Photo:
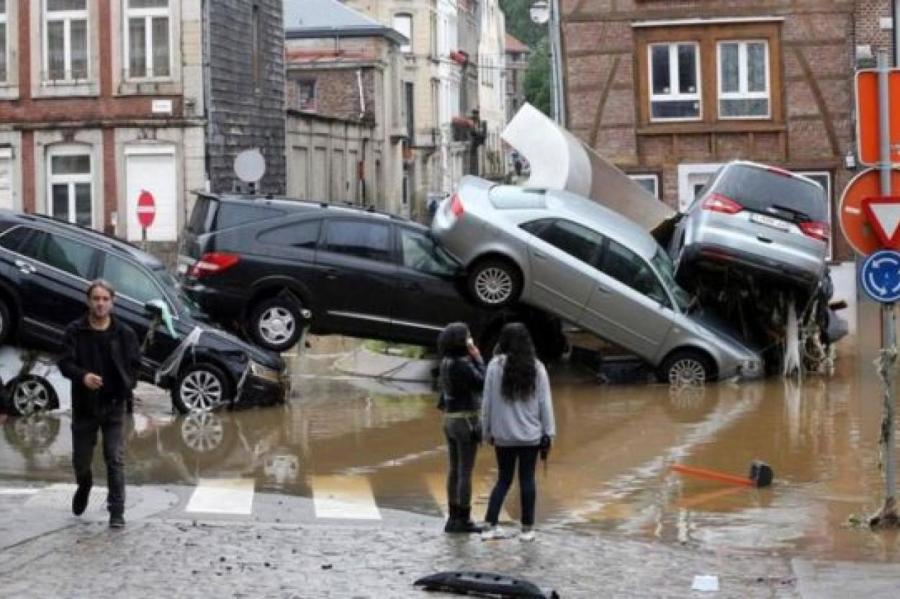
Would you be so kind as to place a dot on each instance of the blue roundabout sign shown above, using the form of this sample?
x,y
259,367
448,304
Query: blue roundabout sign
x,y
880,276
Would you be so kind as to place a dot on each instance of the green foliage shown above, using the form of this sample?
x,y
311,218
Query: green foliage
x,y
519,24
537,78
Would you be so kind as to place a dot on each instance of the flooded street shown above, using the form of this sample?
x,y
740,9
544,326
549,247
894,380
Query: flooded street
x,y
608,473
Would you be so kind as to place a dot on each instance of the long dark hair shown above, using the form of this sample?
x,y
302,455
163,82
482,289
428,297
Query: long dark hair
x,y
520,370
451,341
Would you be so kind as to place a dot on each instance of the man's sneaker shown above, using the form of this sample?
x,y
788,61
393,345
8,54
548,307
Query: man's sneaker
x,y
527,534
80,500
116,521
489,532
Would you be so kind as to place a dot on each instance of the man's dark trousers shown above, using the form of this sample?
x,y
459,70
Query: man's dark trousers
x,y
111,423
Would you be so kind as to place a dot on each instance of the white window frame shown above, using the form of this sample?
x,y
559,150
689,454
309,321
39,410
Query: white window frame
x,y
399,19
66,16
685,189
828,191
148,14
4,24
70,179
674,80
743,80
647,177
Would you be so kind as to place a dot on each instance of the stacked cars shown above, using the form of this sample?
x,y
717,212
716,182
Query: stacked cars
x,y
591,266
258,265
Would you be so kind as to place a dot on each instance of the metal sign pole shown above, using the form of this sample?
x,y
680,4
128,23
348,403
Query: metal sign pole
x,y
888,355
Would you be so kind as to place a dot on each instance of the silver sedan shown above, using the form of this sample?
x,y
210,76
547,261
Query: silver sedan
x,y
591,266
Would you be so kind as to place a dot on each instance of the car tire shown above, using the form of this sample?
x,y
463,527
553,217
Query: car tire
x,y
276,324
6,322
687,367
494,282
30,394
202,387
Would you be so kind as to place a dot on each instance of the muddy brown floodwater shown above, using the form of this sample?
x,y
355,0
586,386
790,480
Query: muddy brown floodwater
x,y
608,473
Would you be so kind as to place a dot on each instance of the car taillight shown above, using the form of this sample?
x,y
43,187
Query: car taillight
x,y
212,263
716,202
456,206
815,229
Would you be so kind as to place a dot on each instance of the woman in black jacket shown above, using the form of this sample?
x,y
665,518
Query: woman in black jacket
x,y
461,382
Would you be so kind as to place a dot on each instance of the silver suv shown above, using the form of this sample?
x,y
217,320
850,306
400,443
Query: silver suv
x,y
591,266
763,221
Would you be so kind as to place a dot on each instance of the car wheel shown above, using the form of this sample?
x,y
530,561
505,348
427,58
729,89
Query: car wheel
x,y
201,387
5,321
29,394
495,283
276,324
687,367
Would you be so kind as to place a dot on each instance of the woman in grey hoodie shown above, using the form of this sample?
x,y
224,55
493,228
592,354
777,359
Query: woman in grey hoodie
x,y
517,419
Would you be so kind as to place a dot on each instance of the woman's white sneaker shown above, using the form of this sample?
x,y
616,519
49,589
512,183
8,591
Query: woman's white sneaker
x,y
527,535
489,532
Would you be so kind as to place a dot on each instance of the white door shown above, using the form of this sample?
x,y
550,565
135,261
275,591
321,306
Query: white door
x,y
6,193
152,170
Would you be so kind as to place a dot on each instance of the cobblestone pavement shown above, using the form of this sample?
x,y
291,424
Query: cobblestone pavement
x,y
169,554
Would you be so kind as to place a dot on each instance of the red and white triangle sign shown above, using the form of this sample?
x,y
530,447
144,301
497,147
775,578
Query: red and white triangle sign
x,y
883,214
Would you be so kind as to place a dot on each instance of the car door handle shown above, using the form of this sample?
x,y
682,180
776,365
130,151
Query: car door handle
x,y
25,267
602,289
332,273
764,239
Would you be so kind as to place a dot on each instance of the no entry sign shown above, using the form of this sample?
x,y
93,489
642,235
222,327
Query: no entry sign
x,y
146,209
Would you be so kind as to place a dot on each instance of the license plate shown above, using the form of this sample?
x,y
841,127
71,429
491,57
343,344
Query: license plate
x,y
775,223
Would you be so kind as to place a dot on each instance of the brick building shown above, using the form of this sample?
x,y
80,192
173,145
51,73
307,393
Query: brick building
x,y
100,101
517,57
670,90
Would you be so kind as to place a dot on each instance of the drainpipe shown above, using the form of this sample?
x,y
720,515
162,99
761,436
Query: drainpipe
x,y
362,97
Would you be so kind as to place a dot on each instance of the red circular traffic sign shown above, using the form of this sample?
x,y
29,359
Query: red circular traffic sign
x,y
146,209
855,224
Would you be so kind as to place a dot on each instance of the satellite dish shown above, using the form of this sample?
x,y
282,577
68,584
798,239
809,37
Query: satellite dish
x,y
250,166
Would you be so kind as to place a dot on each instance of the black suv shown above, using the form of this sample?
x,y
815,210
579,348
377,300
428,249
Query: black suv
x,y
256,264
45,268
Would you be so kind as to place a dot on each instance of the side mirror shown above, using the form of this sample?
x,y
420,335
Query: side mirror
x,y
159,311
153,309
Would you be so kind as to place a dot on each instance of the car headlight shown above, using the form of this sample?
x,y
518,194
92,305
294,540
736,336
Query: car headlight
x,y
264,372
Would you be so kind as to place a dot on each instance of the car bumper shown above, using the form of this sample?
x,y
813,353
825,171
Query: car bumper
x,y
257,391
220,305
715,255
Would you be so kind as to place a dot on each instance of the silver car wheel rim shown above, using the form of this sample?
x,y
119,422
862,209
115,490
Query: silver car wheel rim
x,y
202,431
31,396
687,371
201,390
493,285
276,325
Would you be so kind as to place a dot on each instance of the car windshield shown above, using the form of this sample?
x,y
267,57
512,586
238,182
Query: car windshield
x,y
663,265
185,303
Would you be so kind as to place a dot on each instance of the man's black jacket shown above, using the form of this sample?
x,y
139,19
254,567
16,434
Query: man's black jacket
x,y
126,359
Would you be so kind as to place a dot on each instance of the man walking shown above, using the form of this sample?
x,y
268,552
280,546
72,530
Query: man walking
x,y
101,357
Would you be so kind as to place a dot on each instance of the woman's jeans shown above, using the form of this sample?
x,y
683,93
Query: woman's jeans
x,y
506,465
462,446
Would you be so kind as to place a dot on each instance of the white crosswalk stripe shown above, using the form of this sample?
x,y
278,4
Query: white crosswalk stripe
x,y
344,497
222,496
